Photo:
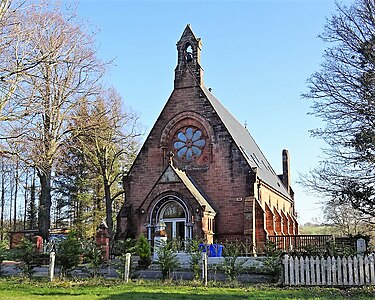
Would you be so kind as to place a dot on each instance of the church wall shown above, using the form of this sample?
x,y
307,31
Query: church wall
x,y
223,177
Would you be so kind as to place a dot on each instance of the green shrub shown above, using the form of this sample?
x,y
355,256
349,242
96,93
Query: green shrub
x,y
273,264
123,247
167,260
93,255
143,250
195,257
230,266
3,255
68,253
29,256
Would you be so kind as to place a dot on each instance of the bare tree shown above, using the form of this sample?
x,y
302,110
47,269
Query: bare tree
x,y
110,144
68,73
343,95
346,220
18,55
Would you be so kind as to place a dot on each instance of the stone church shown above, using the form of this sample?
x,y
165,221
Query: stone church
x,y
200,172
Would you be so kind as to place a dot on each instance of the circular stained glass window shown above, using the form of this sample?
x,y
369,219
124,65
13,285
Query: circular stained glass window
x,y
189,143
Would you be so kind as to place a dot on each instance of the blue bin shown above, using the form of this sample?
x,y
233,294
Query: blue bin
x,y
213,250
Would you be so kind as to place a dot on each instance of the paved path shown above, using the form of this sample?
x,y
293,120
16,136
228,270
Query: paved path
x,y
10,268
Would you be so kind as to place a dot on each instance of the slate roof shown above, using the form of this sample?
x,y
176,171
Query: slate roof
x,y
245,142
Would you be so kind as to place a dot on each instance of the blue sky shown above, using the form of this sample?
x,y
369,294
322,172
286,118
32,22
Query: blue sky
x,y
256,56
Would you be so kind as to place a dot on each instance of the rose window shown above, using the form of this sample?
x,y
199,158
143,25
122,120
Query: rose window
x,y
189,143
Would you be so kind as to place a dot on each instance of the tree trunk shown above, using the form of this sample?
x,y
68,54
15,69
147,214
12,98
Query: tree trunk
x,y
44,220
32,208
15,196
25,199
108,206
2,198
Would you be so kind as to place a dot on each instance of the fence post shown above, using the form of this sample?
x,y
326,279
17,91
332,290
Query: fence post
x,y
307,269
204,267
51,270
291,270
334,271
312,270
361,270
323,268
367,270
286,265
317,261
372,268
344,271
339,270
329,271
350,270
355,270
127,267
302,269
296,271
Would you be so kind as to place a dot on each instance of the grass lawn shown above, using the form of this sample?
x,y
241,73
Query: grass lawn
x,y
16,288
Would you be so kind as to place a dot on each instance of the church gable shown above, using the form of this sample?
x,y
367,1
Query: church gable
x,y
199,170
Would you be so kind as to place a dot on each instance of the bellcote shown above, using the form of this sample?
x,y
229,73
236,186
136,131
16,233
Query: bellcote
x,y
188,71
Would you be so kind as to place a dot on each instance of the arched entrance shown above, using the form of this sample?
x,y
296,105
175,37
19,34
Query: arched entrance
x,y
174,213
174,217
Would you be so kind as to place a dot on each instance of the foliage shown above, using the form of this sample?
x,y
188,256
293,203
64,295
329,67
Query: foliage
x,y
167,260
143,250
273,264
230,265
3,254
107,137
68,253
121,248
343,94
29,256
93,255
195,257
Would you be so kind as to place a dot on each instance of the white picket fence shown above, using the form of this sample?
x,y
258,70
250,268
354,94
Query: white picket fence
x,y
330,271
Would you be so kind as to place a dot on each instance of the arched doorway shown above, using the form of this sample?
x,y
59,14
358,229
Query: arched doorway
x,y
174,213
174,217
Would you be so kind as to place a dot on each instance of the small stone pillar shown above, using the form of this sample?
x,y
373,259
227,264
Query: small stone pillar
x,y
102,240
361,246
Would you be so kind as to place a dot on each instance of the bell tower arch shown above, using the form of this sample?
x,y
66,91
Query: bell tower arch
x,y
188,71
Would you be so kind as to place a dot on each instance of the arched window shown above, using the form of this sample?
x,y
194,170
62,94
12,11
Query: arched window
x,y
173,210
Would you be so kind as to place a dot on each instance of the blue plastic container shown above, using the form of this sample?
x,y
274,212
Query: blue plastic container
x,y
213,250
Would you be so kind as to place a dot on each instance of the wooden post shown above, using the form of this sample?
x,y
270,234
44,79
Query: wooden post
x,y
51,270
344,271
291,269
127,267
302,269
329,270
307,268
317,261
296,271
355,270
350,271
339,270
372,268
334,271
361,270
312,270
367,270
286,268
204,267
